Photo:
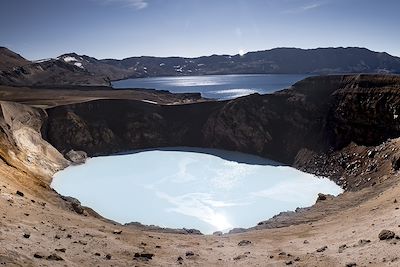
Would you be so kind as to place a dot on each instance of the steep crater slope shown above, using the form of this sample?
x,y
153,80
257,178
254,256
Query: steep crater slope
x,y
320,114
328,125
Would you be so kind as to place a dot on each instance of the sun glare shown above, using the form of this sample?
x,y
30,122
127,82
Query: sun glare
x,y
221,222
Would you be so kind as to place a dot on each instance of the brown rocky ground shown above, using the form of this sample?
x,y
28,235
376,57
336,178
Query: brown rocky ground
x,y
39,228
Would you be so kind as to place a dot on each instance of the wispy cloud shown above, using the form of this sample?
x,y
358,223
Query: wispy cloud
x,y
136,4
304,8
312,6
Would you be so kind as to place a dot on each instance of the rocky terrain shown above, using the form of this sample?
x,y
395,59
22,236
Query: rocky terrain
x,y
17,71
342,127
81,70
9,59
274,61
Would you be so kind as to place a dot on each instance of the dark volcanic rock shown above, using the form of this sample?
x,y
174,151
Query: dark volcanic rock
x,y
143,256
54,257
189,253
322,249
38,255
321,197
75,204
192,231
244,243
386,234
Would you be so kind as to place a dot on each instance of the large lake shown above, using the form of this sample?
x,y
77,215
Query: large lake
x,y
216,86
210,190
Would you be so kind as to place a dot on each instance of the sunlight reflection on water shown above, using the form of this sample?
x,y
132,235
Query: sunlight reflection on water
x,y
216,86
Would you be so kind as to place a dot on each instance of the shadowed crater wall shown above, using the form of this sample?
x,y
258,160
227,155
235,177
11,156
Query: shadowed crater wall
x,y
319,114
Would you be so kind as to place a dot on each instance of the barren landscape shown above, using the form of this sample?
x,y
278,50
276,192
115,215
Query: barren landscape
x,y
199,133
350,136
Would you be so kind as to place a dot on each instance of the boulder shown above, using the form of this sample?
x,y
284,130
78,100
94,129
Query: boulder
x,y
143,256
75,204
321,197
244,243
386,234
54,257
322,249
76,157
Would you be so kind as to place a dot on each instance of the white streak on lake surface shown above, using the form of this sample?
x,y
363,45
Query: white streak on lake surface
x,y
216,86
206,189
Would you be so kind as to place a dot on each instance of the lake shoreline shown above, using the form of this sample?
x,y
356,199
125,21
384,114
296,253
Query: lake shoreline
x,y
197,204
220,87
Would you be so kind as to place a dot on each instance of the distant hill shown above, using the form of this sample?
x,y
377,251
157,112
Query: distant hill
x,y
9,59
17,71
274,61
84,70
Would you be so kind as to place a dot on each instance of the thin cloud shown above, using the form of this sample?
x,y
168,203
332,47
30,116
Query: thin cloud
x,y
312,6
304,8
136,4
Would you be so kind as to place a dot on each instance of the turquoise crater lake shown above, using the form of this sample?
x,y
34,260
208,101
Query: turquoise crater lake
x,y
219,87
207,189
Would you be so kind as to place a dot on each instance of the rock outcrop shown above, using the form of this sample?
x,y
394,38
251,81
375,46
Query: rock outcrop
x,y
318,114
21,142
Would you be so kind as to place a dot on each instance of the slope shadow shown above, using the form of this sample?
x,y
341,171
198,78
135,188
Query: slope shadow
x,y
234,156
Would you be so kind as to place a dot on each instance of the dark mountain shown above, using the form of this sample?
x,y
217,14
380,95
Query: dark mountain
x,y
274,61
95,66
20,72
9,59
73,69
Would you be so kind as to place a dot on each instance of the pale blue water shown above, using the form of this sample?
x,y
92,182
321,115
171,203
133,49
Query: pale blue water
x,y
216,86
209,190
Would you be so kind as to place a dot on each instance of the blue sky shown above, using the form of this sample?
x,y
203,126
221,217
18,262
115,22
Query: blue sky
x,y
121,28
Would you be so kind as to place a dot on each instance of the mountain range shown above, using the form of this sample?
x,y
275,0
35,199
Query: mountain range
x,y
74,69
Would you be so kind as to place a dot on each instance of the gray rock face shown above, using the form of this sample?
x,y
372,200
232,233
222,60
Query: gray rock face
x,y
75,204
76,157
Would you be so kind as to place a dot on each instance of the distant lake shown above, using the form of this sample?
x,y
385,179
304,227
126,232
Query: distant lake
x,y
207,189
216,86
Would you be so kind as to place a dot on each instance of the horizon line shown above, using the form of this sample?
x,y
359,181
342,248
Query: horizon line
x,y
209,55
